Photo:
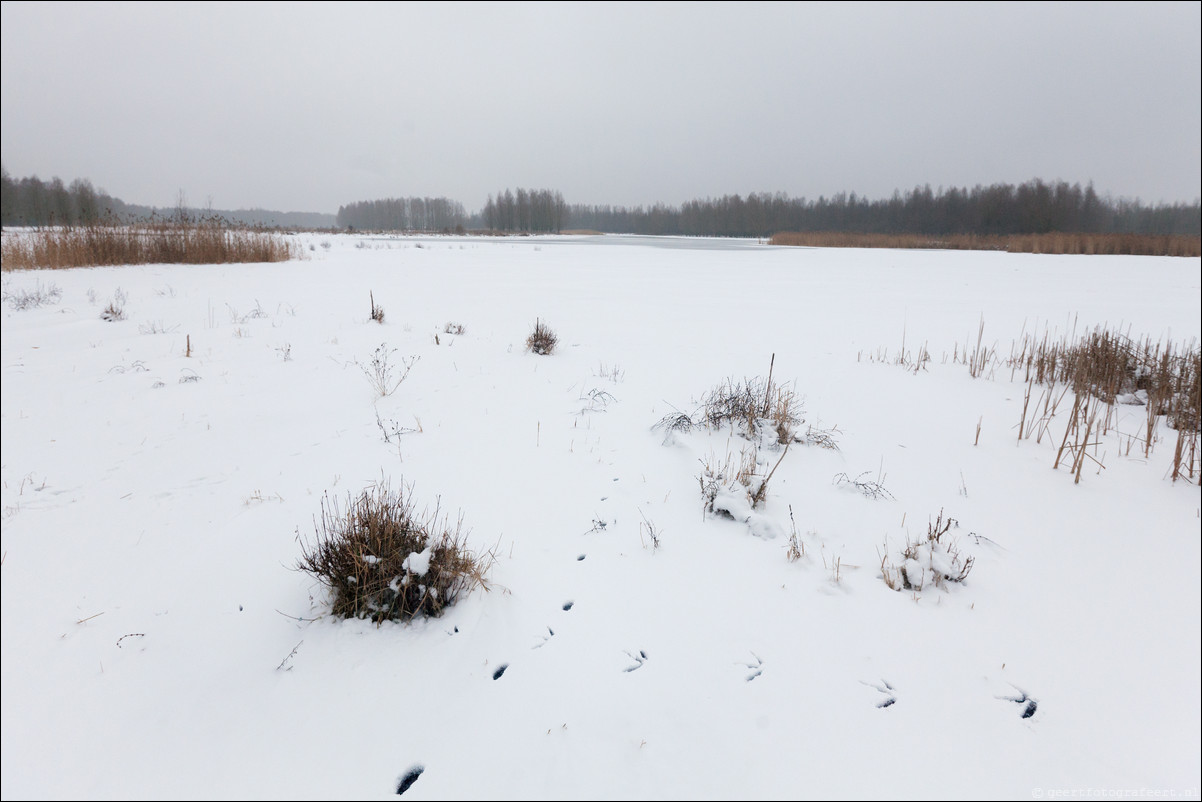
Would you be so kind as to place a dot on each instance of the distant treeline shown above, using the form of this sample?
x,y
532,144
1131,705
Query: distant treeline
x,y
527,210
999,209
523,210
404,214
33,202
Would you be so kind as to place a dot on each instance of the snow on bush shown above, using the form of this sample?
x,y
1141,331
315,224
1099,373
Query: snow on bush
x,y
930,561
381,560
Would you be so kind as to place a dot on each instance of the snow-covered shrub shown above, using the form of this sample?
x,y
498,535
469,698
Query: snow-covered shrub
x,y
382,560
929,561
32,299
753,407
542,340
726,486
116,309
733,490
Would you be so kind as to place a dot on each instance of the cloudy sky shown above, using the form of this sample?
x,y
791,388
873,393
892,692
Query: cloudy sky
x,y
307,106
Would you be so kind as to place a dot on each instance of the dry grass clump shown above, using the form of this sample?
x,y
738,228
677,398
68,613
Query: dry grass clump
x,y
768,416
864,484
1103,369
382,561
732,489
20,299
930,561
115,311
1054,242
1107,368
542,340
155,242
383,374
1114,367
753,407
726,484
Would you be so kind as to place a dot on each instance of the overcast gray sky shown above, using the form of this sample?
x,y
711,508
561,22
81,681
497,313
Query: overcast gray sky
x,y
307,106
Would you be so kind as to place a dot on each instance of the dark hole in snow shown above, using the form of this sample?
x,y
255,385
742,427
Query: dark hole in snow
x,y
500,671
642,654
1029,710
581,557
409,779
568,605
886,703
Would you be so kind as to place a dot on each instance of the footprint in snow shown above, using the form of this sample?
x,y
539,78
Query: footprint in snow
x,y
568,605
638,659
545,638
1029,705
885,688
500,672
757,667
408,779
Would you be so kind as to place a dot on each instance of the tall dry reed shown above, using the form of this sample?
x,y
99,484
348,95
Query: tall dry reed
x,y
154,242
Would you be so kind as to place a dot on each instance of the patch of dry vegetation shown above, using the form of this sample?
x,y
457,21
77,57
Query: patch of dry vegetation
x,y
931,561
382,560
156,242
542,339
1106,368
1055,242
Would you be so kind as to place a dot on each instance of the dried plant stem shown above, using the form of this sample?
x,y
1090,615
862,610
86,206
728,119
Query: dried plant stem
x,y
1069,429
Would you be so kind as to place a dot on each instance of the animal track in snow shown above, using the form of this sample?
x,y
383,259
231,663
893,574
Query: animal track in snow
x,y
887,689
1029,705
496,675
568,605
638,659
757,667
409,779
545,638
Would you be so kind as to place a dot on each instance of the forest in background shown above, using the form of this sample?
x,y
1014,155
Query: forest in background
x,y
998,210
1035,207
31,201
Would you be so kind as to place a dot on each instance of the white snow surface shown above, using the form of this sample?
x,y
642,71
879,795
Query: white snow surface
x,y
158,641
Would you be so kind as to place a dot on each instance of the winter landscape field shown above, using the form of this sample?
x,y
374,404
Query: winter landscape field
x,y
651,626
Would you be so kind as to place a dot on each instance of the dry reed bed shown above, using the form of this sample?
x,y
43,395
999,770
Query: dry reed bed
x,y
1104,369
1094,374
1052,243
149,243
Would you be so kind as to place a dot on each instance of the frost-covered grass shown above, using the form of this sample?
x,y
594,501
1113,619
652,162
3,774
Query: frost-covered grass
x,y
162,474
